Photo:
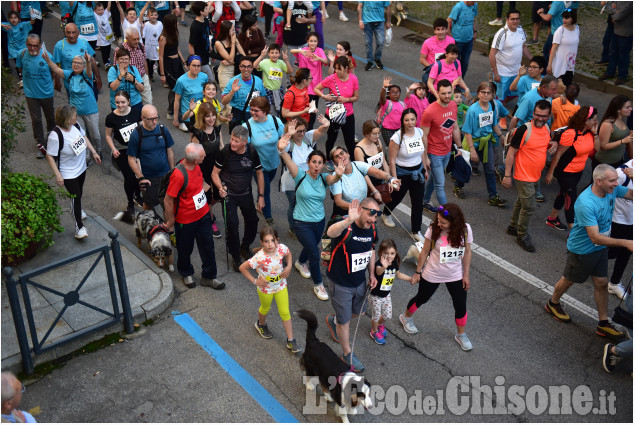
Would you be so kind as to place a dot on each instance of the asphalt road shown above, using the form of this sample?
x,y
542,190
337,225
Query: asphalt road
x,y
520,356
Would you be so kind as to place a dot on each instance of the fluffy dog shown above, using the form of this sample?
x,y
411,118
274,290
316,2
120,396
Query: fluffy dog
x,y
400,11
413,252
349,390
150,228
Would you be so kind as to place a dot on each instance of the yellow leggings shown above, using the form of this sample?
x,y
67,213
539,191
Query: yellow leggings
x,y
282,301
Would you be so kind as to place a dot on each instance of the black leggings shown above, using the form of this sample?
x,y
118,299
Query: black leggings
x,y
568,193
76,187
621,255
348,130
268,11
130,184
427,289
416,189
105,53
150,67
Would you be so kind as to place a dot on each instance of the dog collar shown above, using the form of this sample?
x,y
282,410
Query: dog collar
x,y
155,229
341,375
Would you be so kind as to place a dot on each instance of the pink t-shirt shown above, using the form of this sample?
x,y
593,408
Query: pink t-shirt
x,y
441,123
433,48
346,88
315,66
419,105
449,72
392,121
445,262
269,268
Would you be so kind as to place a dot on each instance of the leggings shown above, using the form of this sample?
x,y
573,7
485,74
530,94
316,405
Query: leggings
x,y
416,189
268,11
150,67
76,187
105,53
568,193
621,255
348,130
130,184
282,301
458,294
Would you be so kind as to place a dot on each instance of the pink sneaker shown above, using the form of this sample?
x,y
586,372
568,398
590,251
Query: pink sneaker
x,y
382,330
215,232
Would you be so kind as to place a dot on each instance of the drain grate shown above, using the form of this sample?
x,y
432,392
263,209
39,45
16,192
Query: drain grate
x,y
415,38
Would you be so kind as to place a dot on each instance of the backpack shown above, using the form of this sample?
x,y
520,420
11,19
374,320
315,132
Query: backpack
x,y
275,122
165,182
380,117
327,252
139,129
69,18
427,69
60,138
510,135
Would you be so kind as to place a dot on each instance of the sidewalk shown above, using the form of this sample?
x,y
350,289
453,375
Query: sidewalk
x,y
150,290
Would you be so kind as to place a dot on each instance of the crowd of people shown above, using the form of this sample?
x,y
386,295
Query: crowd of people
x,y
268,94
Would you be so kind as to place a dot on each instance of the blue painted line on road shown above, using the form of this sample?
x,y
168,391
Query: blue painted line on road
x,y
272,406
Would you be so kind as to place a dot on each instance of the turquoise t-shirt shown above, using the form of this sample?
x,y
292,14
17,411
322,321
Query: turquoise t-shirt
x,y
353,186
127,86
309,197
265,138
557,7
240,97
64,52
374,11
86,22
591,210
161,5
17,37
36,75
463,16
80,93
26,6
526,84
525,111
477,122
190,89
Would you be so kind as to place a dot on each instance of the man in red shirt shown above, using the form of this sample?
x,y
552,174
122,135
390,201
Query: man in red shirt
x,y
186,210
440,126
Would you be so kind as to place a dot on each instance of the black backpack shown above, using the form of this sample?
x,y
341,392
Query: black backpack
x,y
60,138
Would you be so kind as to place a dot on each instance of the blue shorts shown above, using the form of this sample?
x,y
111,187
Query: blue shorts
x,y
502,88
346,301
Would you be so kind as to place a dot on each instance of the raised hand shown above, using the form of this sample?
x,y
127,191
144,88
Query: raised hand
x,y
384,261
236,85
192,104
339,169
323,121
387,81
284,141
354,210
291,126
522,71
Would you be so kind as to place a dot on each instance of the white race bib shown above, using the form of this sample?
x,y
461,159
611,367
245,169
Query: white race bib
x,y
485,119
449,254
110,37
388,280
607,234
275,74
414,146
336,109
376,160
87,28
127,131
35,14
360,261
79,145
534,85
200,200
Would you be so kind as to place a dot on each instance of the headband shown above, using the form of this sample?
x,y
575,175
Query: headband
x,y
193,57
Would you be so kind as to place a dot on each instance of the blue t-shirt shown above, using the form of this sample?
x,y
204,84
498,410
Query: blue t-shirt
x,y
162,5
374,11
479,123
525,111
462,17
65,7
309,197
557,7
64,52
26,6
85,21
591,210
240,97
36,75
353,186
17,37
127,86
189,89
526,84
80,93
153,156
265,138
501,112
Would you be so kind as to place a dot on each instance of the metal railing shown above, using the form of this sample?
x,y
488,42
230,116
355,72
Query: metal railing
x,y
69,298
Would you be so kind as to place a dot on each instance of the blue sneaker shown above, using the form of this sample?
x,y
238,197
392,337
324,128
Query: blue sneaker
x,y
429,207
377,337
330,324
350,359
382,329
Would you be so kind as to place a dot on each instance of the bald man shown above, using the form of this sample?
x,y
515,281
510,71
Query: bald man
x,y
12,390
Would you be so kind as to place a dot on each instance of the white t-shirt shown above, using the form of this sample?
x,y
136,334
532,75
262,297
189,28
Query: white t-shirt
x,y
564,59
510,50
410,148
623,210
445,262
151,35
125,25
71,165
299,156
105,35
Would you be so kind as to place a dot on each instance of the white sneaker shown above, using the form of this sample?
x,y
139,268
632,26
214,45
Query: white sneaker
x,y
408,324
497,21
418,236
183,127
303,269
617,289
84,215
388,222
326,14
320,292
463,341
343,17
169,116
81,233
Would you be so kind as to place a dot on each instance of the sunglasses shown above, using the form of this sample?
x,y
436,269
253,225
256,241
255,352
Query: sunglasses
x,y
443,211
373,212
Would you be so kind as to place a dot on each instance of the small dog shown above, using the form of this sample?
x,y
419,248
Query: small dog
x,y
400,11
151,228
349,390
413,252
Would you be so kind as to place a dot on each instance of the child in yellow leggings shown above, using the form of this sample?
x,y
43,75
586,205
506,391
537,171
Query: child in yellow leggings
x,y
271,282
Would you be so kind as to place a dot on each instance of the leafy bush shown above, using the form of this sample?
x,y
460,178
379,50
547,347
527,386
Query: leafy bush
x,y
30,215
12,116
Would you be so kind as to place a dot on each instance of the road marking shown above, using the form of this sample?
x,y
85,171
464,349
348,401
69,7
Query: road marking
x,y
272,406
527,277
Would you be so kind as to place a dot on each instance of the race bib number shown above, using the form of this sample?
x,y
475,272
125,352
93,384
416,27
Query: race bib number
x,y
388,280
534,85
607,234
485,119
87,28
273,279
414,146
127,131
79,145
376,160
336,110
35,14
200,200
110,37
449,254
360,261
275,74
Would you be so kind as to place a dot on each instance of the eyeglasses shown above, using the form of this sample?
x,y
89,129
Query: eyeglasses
x,y
78,63
373,212
485,92
301,131
534,67
541,116
245,66
255,110
32,45
151,119
443,211
568,10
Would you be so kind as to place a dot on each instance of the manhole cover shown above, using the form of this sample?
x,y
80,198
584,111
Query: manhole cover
x,y
415,38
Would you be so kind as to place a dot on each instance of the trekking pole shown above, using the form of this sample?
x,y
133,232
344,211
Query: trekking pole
x,y
225,221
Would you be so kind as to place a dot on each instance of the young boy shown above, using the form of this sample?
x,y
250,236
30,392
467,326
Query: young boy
x,y
17,32
273,71
435,46
199,37
461,107
105,36
129,18
565,106
151,32
528,78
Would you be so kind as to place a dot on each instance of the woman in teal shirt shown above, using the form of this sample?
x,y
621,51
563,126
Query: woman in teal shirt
x,y
126,77
188,87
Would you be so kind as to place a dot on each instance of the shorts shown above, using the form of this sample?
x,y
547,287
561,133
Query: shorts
x,y
580,266
502,88
381,306
534,8
346,301
150,195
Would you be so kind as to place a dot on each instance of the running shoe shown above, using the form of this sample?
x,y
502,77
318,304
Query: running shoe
x,y
511,230
169,116
382,330
212,283
343,17
84,216
532,41
555,223
378,64
429,207
557,312
540,197
270,222
303,269
609,331
293,346
388,221
497,201
263,330
326,15
330,324
370,65
418,236
215,231
526,243
500,174
184,24
617,289
81,233
377,337
320,292
292,234
408,324
183,127
496,22
350,359
189,281
476,171
609,360
463,341
458,192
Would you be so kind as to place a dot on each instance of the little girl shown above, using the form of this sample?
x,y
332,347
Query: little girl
x,y
343,49
417,101
271,282
386,269
390,109
313,58
105,35
210,89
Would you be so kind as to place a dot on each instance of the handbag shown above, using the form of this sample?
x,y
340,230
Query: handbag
x,y
384,191
621,316
337,110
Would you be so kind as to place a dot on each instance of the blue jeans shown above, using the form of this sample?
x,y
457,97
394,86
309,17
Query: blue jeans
x,y
437,182
465,51
620,55
291,198
310,236
606,40
319,29
269,176
490,176
201,232
378,29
